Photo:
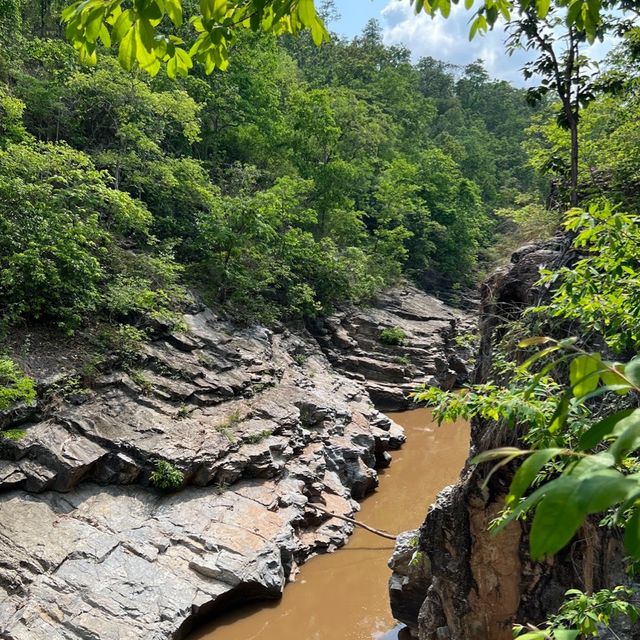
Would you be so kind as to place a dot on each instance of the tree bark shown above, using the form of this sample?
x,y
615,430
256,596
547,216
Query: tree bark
x,y
573,193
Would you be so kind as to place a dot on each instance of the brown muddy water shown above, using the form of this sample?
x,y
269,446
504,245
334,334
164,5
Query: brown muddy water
x,y
343,596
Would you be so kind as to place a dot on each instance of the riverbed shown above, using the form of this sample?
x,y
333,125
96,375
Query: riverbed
x,y
344,596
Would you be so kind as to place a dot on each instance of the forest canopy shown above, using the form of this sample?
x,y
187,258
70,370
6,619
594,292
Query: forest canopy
x,y
301,177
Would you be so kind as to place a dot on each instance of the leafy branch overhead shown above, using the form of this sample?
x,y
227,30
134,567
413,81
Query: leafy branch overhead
x,y
146,31
151,33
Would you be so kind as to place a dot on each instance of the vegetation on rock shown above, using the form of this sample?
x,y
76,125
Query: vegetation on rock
x,y
165,476
15,387
393,336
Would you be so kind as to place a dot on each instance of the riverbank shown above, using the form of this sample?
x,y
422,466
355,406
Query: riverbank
x,y
345,595
257,424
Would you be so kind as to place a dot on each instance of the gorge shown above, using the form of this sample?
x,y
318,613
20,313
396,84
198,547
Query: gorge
x,y
259,424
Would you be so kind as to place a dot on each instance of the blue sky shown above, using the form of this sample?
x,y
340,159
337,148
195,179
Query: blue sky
x,y
442,39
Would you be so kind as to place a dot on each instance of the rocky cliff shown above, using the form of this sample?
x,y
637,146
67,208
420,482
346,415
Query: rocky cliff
x,y
259,424
432,351
464,583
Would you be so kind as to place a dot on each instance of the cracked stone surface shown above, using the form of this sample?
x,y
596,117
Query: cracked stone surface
x,y
260,425
429,354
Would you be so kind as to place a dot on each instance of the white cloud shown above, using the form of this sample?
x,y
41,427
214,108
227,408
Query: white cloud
x,y
448,39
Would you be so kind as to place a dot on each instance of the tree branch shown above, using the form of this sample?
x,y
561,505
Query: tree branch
x,y
377,532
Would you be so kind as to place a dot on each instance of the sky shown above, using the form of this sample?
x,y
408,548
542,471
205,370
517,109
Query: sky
x,y
442,39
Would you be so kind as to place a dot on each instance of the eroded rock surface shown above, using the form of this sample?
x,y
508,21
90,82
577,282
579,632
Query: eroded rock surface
x,y
260,426
434,350
475,585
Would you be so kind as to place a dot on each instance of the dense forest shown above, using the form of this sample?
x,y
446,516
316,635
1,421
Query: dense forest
x,y
299,178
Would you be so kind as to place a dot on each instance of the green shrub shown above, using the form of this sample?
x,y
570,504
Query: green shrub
x,y
165,476
13,434
392,336
55,210
15,387
259,436
61,231
125,341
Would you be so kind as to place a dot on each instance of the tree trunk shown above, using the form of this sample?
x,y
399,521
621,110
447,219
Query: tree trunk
x,y
573,193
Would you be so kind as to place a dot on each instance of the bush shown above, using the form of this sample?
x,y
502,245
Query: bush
x,y
54,246
14,385
165,476
392,336
61,227
125,341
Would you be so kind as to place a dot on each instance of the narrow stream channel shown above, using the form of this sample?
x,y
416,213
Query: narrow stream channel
x,y
343,596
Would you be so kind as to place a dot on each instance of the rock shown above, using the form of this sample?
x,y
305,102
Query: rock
x,y
259,423
256,434
430,354
410,579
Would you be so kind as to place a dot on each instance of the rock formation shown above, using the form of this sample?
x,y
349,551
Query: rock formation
x,y
429,352
260,426
465,583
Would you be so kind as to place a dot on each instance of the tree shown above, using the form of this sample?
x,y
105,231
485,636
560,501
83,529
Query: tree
x,y
561,68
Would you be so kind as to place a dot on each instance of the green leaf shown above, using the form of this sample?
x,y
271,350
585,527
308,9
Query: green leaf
x,y
122,25
559,418
174,11
527,473
145,39
573,12
127,51
628,439
307,12
542,7
565,634
537,356
600,490
632,371
601,429
618,388
583,374
105,36
498,454
590,464
556,520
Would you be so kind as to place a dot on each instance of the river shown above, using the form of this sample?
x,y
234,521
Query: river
x,y
343,596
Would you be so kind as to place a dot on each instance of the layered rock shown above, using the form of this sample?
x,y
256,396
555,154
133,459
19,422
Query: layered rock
x,y
473,585
431,351
259,425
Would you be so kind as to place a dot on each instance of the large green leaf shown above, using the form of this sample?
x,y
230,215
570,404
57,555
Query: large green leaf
x,y
583,374
601,490
557,518
527,473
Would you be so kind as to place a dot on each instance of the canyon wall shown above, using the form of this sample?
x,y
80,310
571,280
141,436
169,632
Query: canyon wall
x,y
465,583
259,424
